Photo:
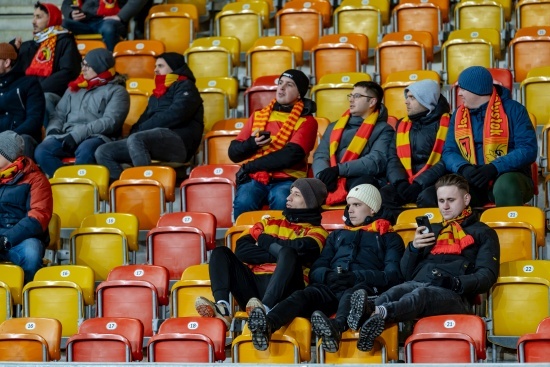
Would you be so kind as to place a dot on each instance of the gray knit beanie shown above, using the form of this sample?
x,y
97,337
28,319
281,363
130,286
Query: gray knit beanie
x,y
100,60
368,194
426,93
11,145
313,190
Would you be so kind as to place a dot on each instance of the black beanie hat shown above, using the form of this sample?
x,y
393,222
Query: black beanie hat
x,y
173,59
300,79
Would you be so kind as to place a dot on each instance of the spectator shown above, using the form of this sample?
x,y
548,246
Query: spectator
x,y
171,127
22,103
354,149
272,258
414,163
276,161
365,254
52,56
494,144
25,209
444,269
110,18
90,113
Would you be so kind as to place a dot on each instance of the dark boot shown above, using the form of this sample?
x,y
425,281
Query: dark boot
x,y
371,329
361,308
326,329
260,328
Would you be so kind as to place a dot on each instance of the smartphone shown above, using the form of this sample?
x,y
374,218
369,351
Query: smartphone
x,y
265,134
75,8
424,221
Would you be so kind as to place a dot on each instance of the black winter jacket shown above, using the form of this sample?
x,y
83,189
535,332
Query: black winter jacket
x,y
180,109
477,266
422,136
22,104
373,258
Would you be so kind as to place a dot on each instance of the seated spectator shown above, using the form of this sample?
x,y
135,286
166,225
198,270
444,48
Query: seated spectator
x,y
354,149
275,160
491,142
22,103
90,113
110,18
52,56
365,254
271,259
444,269
171,127
414,163
25,209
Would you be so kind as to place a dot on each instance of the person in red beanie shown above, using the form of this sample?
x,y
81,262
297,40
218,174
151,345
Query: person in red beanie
x,y
52,55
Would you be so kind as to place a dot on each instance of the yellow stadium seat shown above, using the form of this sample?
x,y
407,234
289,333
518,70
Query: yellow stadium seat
x,y
219,95
30,339
213,56
166,20
194,282
480,14
243,21
488,34
535,96
136,59
201,6
532,13
355,17
459,54
139,89
530,48
419,17
11,285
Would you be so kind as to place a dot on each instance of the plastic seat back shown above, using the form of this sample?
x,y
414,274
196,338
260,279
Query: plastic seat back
x,y
356,17
532,348
137,58
139,89
532,13
13,277
332,219
83,276
306,23
30,339
479,14
330,58
213,56
529,49
255,216
219,95
406,225
419,17
241,20
85,46
458,54
273,55
194,282
535,96
165,20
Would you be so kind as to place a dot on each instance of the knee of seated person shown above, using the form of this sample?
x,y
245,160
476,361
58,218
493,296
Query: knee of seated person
x,y
506,189
287,254
219,253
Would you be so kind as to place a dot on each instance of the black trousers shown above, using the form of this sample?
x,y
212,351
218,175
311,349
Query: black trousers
x,y
229,275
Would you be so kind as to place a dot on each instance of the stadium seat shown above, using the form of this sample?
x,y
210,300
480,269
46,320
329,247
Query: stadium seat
x,y
324,7
330,58
533,348
447,339
211,57
419,17
127,223
85,46
136,59
201,5
458,54
219,96
194,282
242,20
11,284
480,14
405,225
30,339
260,94
166,20
139,89
297,19
532,13
107,339
443,5
534,92
356,16
530,48
332,219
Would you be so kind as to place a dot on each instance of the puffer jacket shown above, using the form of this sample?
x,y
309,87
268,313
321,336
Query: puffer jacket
x,y
180,109
477,266
100,112
128,8
422,138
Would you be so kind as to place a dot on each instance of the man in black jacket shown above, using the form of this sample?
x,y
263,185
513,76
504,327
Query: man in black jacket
x,y
414,163
22,103
366,254
444,269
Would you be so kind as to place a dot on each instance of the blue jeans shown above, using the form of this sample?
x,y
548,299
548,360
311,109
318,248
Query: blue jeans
x,y
411,300
253,195
28,255
111,30
49,153
139,148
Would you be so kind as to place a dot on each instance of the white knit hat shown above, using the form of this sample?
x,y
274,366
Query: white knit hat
x,y
368,194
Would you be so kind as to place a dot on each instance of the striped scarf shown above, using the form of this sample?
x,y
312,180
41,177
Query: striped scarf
x,y
278,141
403,144
380,226
106,7
452,239
42,62
11,170
352,152
101,79
495,132
163,82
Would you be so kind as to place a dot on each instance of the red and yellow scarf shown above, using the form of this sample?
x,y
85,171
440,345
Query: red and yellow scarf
x,y
42,62
278,141
101,79
380,226
163,82
403,144
352,152
495,132
106,7
10,171
452,239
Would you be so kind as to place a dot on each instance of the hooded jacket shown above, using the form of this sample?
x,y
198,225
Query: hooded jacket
x,y
372,160
180,109
422,137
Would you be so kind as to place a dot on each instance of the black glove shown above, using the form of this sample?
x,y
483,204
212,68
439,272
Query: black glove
x,y
329,176
330,277
484,174
54,132
242,176
343,281
69,144
411,193
5,245
444,281
467,171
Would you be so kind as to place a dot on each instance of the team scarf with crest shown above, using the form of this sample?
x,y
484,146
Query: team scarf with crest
x,y
403,144
495,132
106,7
10,171
380,226
42,62
352,152
101,79
163,82
452,239
279,140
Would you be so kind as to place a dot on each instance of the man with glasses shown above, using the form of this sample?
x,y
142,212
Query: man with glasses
x,y
90,113
354,149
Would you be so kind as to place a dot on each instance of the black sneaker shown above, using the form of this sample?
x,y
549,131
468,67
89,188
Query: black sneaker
x,y
324,328
371,329
258,326
361,308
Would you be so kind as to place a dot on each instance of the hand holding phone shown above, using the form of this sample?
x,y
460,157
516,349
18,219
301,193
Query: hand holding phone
x,y
424,221
264,134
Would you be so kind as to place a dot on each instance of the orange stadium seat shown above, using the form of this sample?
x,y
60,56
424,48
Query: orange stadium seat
x,y
532,13
443,5
136,59
85,46
296,20
328,57
533,348
530,48
30,339
419,17
201,6
166,20
322,6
